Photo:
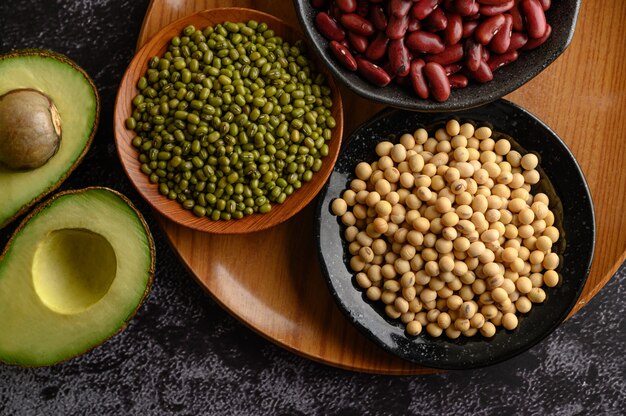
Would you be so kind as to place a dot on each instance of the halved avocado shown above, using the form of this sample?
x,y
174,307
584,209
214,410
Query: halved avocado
x,y
75,97
73,274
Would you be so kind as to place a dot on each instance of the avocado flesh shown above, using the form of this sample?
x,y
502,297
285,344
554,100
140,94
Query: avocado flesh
x,y
72,276
77,103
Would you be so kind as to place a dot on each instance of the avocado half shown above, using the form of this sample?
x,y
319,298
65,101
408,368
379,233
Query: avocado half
x,y
76,99
72,275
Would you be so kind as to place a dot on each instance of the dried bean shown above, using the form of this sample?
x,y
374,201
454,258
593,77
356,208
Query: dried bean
x,y
357,24
473,54
378,17
454,30
438,82
399,59
423,8
397,27
436,21
450,55
346,6
458,81
400,8
535,43
418,81
329,27
502,40
378,48
372,72
482,74
488,29
535,18
492,10
498,61
517,41
358,42
343,55
425,42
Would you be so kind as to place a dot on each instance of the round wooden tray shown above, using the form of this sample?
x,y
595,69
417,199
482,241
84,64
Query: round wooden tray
x,y
271,280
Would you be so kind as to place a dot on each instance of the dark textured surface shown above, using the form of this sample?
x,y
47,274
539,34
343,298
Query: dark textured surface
x,y
184,355
576,230
561,16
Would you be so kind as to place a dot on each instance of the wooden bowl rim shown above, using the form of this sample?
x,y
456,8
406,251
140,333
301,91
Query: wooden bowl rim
x,y
172,209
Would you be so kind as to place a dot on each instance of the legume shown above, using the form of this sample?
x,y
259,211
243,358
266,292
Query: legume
x,y
450,250
231,119
431,46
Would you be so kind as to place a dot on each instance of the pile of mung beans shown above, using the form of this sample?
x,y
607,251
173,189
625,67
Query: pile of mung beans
x,y
446,232
231,119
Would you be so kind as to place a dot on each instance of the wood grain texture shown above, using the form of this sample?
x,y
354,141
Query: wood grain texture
x,y
129,155
271,280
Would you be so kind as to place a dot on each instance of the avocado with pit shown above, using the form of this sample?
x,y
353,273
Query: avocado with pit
x,y
49,112
72,275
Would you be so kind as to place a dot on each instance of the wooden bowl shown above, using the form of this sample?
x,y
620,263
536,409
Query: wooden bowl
x,y
129,155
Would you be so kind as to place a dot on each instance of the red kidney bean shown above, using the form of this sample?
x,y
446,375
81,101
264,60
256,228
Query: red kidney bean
x,y
535,18
473,54
454,31
502,40
397,27
400,8
378,17
482,74
545,4
377,48
492,10
466,7
458,81
535,43
498,61
436,21
434,45
343,55
358,42
422,8
469,28
414,24
438,82
517,41
518,20
418,81
450,55
346,6
425,42
399,59
452,69
329,27
488,28
355,23
372,72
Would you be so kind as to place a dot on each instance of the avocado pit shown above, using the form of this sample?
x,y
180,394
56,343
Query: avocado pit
x,y
30,129
73,269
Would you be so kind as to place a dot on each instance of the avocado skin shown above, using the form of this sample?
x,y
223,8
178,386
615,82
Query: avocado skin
x,y
151,270
64,59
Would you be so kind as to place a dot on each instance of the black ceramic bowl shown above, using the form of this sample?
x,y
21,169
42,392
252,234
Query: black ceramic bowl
x,y
577,225
561,16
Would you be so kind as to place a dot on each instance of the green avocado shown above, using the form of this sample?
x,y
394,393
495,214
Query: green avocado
x,y
66,114
73,274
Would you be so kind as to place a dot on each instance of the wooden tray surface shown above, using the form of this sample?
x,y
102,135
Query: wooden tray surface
x,y
271,280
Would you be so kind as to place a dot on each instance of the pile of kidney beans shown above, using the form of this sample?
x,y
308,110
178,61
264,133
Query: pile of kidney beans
x,y
430,45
